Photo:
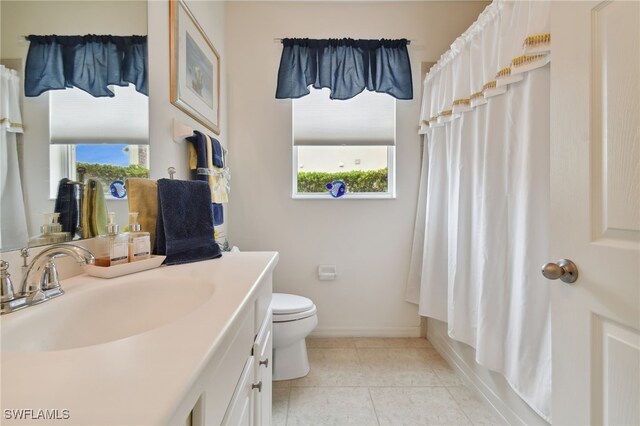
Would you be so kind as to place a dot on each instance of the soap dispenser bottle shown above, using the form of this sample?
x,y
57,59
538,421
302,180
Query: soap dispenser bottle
x,y
50,231
139,241
112,248
57,234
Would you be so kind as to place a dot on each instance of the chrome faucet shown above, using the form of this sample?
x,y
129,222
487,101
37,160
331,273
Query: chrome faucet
x,y
9,302
48,286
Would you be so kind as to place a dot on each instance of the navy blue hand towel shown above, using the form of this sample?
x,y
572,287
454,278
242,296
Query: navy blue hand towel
x,y
184,228
200,144
67,206
199,141
218,214
218,154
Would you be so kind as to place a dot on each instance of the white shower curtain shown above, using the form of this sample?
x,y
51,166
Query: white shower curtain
x,y
483,218
13,221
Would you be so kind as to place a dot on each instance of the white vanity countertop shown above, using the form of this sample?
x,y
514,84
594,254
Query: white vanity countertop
x,y
138,380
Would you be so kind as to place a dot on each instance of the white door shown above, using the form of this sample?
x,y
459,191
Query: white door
x,y
595,211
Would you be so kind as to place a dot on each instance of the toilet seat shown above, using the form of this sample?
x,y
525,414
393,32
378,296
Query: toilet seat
x,y
290,307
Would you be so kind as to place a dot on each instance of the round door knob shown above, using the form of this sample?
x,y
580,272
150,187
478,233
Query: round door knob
x,y
264,362
257,386
564,269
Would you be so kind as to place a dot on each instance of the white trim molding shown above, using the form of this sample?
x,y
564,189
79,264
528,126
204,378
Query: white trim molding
x,y
366,332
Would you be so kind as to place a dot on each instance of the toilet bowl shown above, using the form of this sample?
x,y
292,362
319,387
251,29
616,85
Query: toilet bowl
x,y
294,317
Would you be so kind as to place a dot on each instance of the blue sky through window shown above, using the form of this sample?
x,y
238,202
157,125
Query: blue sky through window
x,y
102,154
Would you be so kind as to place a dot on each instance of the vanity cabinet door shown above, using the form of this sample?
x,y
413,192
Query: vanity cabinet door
x,y
262,351
240,411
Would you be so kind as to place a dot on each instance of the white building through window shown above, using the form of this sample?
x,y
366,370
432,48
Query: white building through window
x,y
349,140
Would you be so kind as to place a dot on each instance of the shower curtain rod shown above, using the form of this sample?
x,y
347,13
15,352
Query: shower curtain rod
x,y
279,40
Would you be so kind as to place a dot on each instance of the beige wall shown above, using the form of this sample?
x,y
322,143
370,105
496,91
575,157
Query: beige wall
x,y
368,240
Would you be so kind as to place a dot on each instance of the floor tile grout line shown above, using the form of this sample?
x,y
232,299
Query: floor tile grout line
x,y
442,381
373,405
286,415
459,406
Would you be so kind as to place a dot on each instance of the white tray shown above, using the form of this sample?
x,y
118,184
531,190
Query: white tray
x,y
125,268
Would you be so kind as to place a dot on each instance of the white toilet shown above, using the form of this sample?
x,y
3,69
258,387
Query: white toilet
x,y
294,317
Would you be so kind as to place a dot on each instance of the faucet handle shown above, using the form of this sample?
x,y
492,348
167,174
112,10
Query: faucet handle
x,y
49,279
6,287
24,253
9,301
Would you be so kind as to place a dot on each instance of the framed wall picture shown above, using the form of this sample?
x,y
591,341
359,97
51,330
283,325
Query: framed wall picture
x,y
195,68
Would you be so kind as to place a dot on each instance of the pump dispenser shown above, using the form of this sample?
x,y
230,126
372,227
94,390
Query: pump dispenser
x,y
112,248
56,231
50,231
51,224
139,241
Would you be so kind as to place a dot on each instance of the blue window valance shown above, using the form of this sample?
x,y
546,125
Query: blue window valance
x,y
89,62
345,66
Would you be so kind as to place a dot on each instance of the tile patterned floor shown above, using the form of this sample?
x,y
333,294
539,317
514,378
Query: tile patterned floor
x,y
376,381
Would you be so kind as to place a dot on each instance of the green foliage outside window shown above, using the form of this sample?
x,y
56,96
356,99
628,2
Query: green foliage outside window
x,y
356,181
107,173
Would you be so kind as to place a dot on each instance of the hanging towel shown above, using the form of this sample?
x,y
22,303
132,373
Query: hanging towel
x,y
218,155
94,210
184,228
198,153
206,153
142,196
67,206
217,182
218,214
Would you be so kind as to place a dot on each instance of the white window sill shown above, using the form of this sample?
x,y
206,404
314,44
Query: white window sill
x,y
326,196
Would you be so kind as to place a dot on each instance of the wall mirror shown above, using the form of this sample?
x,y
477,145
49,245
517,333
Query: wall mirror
x,y
57,124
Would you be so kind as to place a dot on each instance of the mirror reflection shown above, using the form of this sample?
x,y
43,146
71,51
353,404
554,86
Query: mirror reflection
x,y
66,130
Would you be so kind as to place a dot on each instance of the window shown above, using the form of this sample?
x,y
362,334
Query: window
x,y
104,162
107,136
348,140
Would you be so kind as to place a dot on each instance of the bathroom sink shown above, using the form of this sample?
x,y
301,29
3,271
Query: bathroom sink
x,y
102,311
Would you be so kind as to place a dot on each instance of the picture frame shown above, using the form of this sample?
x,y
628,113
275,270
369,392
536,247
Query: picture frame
x,y
195,68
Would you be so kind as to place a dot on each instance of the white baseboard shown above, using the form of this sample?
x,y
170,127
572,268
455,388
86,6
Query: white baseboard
x,y
366,332
491,387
